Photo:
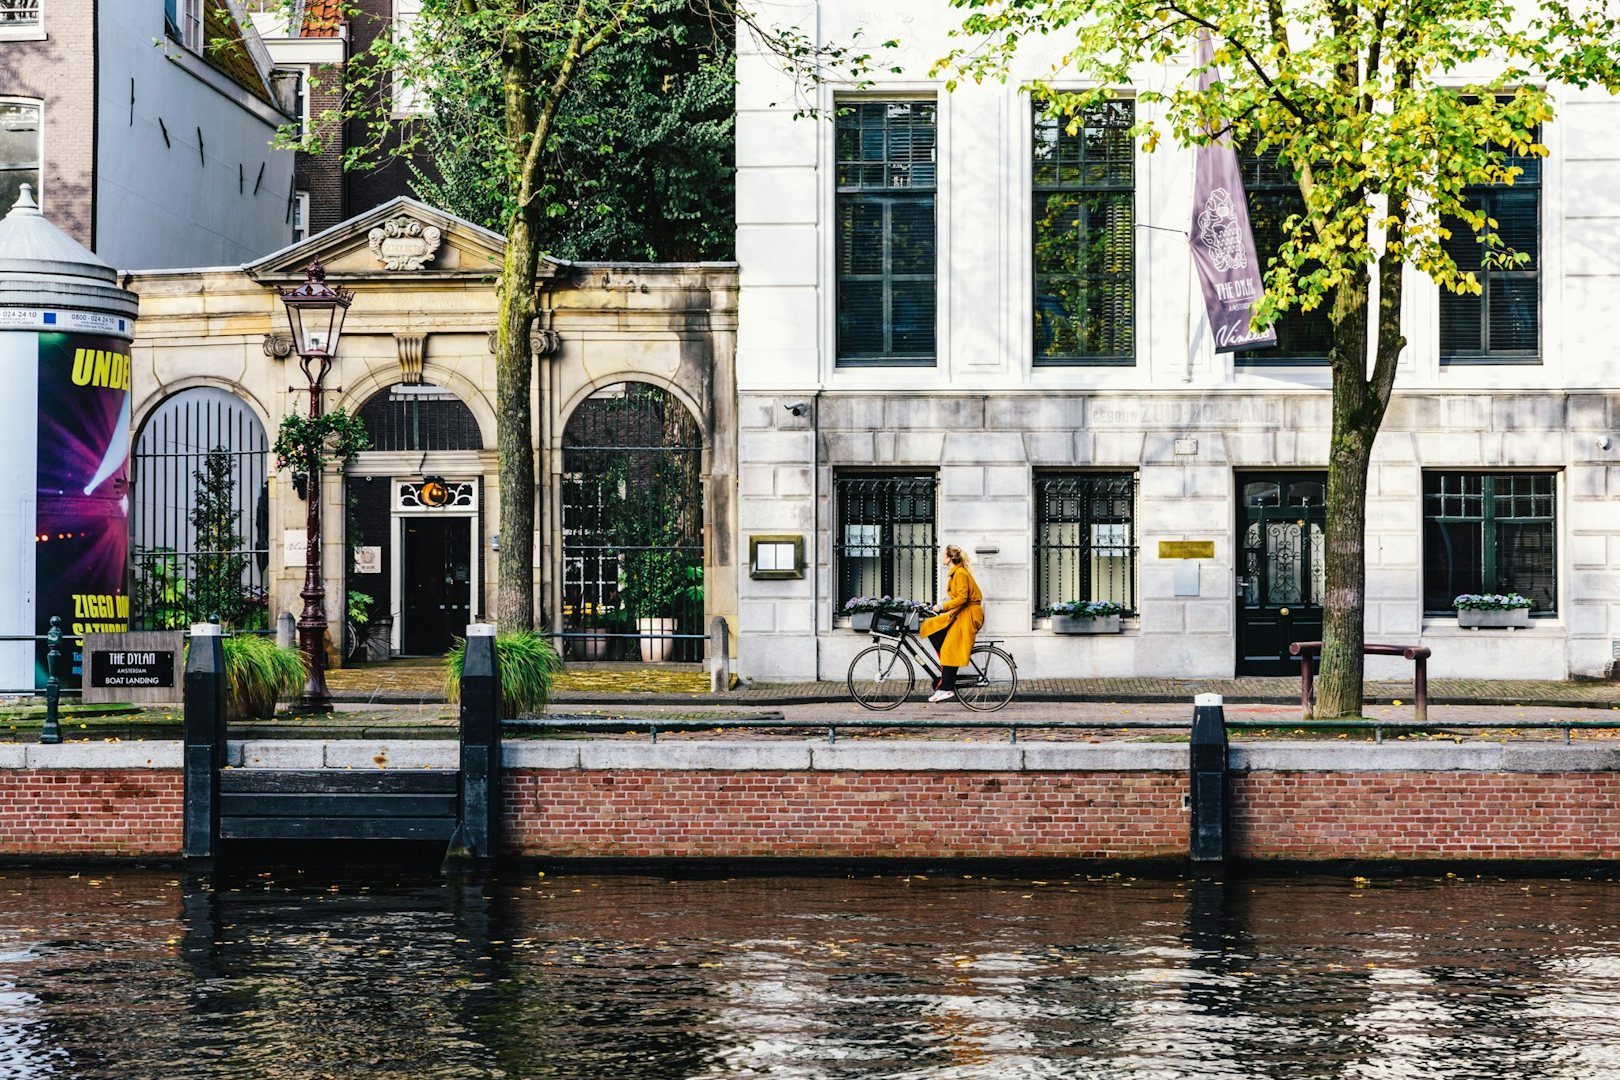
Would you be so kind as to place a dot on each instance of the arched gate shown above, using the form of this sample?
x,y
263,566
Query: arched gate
x,y
632,527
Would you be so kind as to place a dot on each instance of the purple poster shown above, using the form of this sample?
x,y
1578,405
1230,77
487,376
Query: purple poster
x,y
1222,242
81,532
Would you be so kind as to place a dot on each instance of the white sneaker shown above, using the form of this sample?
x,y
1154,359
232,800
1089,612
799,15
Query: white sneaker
x,y
941,695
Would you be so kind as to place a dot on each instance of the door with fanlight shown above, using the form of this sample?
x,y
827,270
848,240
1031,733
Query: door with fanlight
x,y
1282,527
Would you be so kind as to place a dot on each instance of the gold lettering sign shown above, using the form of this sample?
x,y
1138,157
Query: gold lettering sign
x,y
1186,549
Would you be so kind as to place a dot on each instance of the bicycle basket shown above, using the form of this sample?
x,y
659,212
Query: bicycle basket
x,y
888,623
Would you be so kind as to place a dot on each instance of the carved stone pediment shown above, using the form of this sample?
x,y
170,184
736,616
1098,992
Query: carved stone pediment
x,y
405,242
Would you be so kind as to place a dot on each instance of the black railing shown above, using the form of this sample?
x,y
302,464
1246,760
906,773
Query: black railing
x,y
19,12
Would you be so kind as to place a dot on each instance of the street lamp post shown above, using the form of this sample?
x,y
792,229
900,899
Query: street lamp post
x,y
315,312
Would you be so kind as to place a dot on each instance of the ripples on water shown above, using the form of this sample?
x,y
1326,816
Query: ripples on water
x,y
134,973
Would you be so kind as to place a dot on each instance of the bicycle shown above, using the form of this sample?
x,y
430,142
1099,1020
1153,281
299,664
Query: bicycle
x,y
882,675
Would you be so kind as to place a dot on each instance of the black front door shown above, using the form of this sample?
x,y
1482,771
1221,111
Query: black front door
x,y
436,576
1281,529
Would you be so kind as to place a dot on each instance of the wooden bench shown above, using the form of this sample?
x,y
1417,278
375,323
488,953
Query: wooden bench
x,y
1418,654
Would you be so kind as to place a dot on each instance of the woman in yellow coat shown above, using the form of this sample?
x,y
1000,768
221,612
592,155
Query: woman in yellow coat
x,y
953,631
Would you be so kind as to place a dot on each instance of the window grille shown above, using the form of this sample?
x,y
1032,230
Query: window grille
x,y
1085,237
1085,539
885,544
1485,533
15,14
885,232
19,151
1504,320
1272,192
421,417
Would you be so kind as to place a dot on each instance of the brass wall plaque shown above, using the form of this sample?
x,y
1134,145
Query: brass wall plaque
x,y
1186,549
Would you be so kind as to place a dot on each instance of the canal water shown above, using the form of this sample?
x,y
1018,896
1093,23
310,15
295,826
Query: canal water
x,y
138,973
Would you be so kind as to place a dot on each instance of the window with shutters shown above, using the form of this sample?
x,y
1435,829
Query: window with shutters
x,y
885,542
1272,192
1504,321
1489,533
1085,237
885,232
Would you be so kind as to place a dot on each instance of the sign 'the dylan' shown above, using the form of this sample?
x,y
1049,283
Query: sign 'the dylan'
x,y
142,667
1222,242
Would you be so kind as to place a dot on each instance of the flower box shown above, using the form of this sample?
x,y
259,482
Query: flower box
x,y
1085,624
861,621
1493,618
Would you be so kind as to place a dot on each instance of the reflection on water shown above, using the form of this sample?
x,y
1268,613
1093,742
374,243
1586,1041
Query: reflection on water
x,y
133,973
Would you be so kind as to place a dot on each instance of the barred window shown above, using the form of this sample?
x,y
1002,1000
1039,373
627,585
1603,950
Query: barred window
x,y
1504,321
16,14
1272,192
1485,533
885,232
1085,538
885,544
1085,237
422,417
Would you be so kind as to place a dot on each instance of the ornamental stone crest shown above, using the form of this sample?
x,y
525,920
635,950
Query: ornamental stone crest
x,y
405,243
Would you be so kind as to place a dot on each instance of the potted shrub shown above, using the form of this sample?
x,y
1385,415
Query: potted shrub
x,y
650,584
257,673
1086,617
528,665
1477,610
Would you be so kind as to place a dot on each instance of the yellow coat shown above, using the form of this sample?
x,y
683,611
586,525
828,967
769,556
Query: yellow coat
x,y
963,612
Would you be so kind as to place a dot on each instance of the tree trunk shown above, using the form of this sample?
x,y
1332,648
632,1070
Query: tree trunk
x,y
1357,414
514,428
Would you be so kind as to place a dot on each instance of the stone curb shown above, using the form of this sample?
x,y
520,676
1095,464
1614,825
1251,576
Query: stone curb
x,y
810,755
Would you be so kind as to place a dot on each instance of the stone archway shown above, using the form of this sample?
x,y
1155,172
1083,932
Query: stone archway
x,y
632,527
200,513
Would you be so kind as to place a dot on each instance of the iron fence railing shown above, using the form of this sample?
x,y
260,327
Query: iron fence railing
x,y
15,13
1013,727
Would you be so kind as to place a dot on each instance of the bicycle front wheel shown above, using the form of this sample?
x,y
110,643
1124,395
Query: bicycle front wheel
x,y
880,677
988,681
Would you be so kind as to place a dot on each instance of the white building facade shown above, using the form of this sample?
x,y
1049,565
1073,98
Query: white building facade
x,y
958,324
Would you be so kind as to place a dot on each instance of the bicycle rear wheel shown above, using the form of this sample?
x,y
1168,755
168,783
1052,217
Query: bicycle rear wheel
x,y
880,677
988,681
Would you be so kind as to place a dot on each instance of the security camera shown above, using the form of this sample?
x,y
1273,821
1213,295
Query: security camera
x,y
797,408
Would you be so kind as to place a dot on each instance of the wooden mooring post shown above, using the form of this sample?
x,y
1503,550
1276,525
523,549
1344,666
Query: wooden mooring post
x,y
204,740
477,838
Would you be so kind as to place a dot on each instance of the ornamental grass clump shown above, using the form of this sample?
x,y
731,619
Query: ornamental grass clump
x,y
1087,609
257,673
528,666
1492,602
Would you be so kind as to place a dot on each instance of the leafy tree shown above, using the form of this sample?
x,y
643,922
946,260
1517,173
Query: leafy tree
x,y
547,54
643,153
1386,111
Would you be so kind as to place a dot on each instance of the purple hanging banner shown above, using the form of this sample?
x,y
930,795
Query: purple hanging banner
x,y
1222,242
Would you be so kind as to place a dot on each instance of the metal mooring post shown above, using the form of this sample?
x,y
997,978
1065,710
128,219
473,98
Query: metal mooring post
x,y
204,739
477,837
52,731
1208,779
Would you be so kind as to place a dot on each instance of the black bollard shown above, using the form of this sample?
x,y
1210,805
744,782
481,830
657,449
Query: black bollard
x,y
477,837
1208,777
204,739
52,731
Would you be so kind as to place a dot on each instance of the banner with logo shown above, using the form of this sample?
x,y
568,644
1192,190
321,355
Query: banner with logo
x,y
82,491
1222,241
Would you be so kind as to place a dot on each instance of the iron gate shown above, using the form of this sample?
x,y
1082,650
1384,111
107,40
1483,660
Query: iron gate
x,y
200,514
632,525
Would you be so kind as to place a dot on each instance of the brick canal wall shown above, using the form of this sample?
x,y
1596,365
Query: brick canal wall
x,y
688,799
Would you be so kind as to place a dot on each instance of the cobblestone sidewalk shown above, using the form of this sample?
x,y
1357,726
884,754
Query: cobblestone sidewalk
x,y
624,684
